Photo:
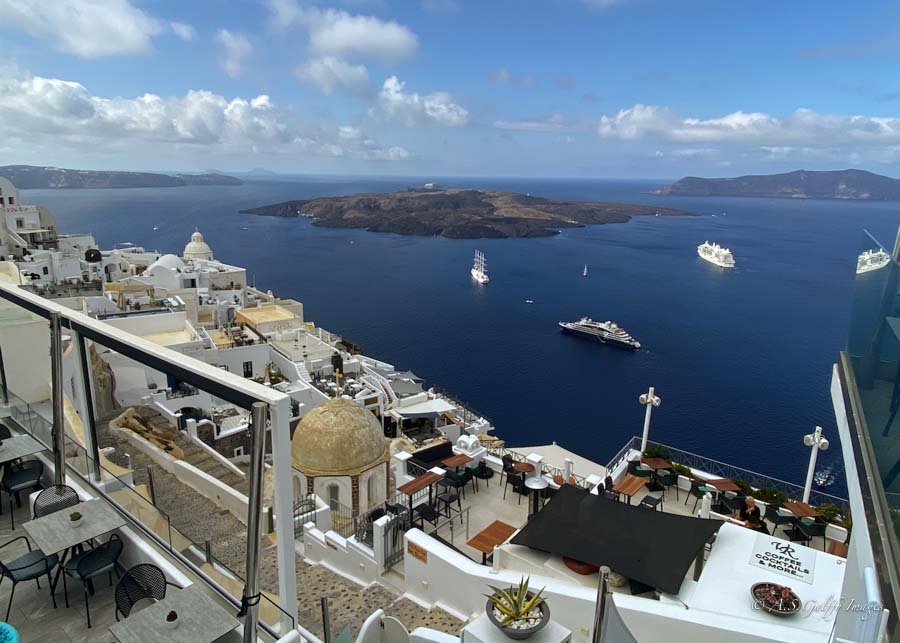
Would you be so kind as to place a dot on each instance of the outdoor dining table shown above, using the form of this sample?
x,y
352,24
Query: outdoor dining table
x,y
54,532
496,533
19,446
801,509
536,485
723,484
200,620
656,463
415,485
523,467
629,485
456,461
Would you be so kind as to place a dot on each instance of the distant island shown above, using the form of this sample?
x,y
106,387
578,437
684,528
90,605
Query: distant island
x,y
27,177
801,184
458,214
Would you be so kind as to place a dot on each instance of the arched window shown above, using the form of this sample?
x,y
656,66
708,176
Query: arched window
x,y
334,495
298,488
372,491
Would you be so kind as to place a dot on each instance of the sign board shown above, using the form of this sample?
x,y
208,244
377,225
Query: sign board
x,y
417,551
783,557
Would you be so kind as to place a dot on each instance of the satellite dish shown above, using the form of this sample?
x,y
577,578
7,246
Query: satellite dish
x,y
92,255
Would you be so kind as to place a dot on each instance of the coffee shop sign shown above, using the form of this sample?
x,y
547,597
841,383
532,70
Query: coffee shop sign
x,y
784,558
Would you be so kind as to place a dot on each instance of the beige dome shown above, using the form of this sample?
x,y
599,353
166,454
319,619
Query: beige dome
x,y
338,437
197,248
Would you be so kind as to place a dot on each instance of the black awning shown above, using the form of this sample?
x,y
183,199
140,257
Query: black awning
x,y
646,545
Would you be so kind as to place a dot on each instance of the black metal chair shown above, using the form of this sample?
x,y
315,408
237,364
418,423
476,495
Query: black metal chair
x,y
651,502
18,478
698,490
55,498
467,476
517,482
446,499
611,495
730,504
779,517
452,479
804,532
508,464
102,559
483,472
140,582
667,479
427,512
31,566
608,483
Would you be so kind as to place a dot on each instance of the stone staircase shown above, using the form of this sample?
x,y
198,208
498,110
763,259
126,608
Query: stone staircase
x,y
201,459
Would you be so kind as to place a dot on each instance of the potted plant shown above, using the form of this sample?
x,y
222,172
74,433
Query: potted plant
x,y
172,619
74,519
517,612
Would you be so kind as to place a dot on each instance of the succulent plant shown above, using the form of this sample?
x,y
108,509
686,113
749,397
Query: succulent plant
x,y
514,603
172,616
74,516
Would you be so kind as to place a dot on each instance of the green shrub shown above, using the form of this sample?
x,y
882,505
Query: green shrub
x,y
657,451
770,496
745,487
682,470
828,512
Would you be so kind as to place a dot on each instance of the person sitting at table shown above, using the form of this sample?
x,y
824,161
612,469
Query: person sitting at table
x,y
749,513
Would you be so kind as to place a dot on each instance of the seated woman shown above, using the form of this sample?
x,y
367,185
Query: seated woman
x,y
749,513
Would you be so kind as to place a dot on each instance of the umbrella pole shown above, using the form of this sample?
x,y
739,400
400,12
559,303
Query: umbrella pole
x,y
600,607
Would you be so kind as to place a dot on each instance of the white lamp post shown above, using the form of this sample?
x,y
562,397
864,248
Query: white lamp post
x,y
649,400
816,441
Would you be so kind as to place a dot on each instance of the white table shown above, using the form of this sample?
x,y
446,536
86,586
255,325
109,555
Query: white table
x,y
536,484
200,620
19,446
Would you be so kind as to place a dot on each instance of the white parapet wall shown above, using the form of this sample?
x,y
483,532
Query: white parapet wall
x,y
344,556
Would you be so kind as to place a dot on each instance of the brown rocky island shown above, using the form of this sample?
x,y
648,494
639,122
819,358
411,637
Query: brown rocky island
x,y
459,214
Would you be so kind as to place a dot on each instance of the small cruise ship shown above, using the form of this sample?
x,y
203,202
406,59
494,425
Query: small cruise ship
x,y
607,332
871,260
716,254
479,269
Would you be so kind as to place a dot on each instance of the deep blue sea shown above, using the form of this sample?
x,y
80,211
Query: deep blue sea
x,y
741,359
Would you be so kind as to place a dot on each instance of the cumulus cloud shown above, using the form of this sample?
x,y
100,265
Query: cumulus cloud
x,y
800,128
412,109
503,76
237,49
59,114
183,30
335,32
89,29
329,73
552,123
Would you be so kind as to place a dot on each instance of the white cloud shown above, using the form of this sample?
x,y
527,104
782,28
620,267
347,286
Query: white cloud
x,y
413,109
54,115
801,128
335,32
237,50
552,123
183,30
503,76
86,28
329,73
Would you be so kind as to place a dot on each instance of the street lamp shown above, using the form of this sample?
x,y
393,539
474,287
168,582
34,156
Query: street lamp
x,y
816,441
649,400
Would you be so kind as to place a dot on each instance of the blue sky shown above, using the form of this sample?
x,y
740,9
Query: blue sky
x,y
597,88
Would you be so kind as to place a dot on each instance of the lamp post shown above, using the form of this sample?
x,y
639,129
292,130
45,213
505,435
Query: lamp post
x,y
816,441
649,400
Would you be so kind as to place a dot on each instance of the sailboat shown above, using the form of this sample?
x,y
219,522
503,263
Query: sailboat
x,y
584,272
479,269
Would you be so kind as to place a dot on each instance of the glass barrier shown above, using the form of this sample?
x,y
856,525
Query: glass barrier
x,y
874,349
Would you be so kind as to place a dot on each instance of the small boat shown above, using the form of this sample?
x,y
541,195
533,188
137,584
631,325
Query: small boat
x,y
824,477
584,272
156,227
529,301
244,228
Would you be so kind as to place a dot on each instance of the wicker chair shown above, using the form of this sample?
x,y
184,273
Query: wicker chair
x,y
140,582
55,498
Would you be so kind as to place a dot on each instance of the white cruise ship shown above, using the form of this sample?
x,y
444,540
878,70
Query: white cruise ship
x,y
870,260
604,332
479,269
716,254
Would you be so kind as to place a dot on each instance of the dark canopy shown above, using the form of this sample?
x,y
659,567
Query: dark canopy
x,y
649,546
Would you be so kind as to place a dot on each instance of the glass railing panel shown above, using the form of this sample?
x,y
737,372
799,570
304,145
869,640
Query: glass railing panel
x,y
874,349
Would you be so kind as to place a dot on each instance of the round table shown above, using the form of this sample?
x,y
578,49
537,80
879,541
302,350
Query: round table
x,y
536,484
523,467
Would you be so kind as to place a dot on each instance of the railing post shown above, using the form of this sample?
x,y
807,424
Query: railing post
x,y
250,601
326,621
3,380
56,383
600,606
150,487
86,399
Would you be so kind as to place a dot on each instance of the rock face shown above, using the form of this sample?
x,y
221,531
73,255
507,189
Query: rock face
x,y
802,184
27,177
458,214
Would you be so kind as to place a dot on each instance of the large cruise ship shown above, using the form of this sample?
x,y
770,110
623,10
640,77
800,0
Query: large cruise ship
x,y
607,332
871,260
716,254
479,269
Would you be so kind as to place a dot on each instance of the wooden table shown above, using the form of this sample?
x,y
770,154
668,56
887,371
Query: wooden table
x,y
629,485
656,463
558,479
496,533
801,509
417,484
836,548
723,484
523,467
456,461
200,620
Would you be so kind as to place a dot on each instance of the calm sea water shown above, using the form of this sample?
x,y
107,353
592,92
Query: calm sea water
x,y
741,359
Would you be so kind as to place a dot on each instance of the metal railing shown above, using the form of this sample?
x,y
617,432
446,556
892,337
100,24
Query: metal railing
x,y
342,519
415,470
517,456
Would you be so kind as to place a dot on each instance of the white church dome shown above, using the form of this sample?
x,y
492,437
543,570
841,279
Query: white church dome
x,y
197,248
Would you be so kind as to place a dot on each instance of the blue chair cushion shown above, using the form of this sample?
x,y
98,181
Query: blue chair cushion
x,y
8,633
31,565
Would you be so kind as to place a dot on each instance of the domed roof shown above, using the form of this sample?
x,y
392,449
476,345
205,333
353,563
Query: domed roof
x,y
197,248
170,262
338,437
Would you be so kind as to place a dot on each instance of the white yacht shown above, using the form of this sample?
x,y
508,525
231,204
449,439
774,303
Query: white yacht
x,y
607,332
479,269
584,272
870,260
716,254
